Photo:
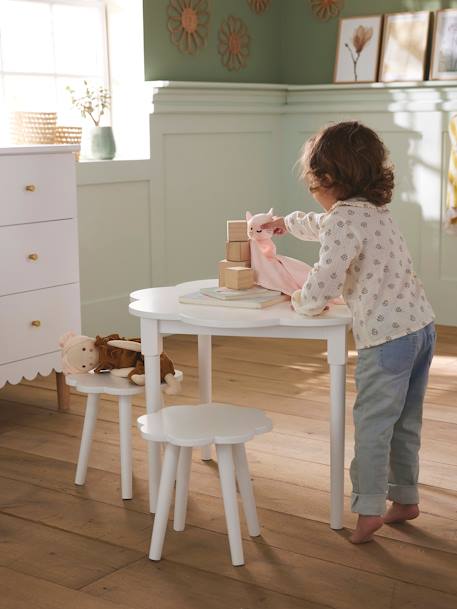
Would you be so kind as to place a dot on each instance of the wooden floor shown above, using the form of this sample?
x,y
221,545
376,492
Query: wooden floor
x,y
66,547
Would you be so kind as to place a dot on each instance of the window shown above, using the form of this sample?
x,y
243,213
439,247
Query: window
x,y
45,46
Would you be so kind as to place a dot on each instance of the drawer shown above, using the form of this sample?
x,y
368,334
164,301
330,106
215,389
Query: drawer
x,y
54,311
34,256
37,187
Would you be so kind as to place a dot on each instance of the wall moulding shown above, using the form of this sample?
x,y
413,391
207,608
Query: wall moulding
x,y
239,98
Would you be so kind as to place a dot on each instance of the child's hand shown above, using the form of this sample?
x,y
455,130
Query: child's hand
x,y
277,225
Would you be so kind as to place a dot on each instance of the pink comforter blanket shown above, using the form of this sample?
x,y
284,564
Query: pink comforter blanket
x,y
273,271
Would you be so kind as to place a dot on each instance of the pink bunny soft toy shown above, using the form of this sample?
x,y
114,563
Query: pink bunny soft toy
x,y
273,271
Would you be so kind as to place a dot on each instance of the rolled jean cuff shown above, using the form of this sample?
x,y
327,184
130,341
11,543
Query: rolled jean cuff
x,y
403,493
368,505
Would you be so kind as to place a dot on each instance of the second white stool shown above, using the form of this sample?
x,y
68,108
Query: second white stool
x,y
93,385
185,427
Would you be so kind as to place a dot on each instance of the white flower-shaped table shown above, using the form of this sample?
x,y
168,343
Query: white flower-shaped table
x,y
161,313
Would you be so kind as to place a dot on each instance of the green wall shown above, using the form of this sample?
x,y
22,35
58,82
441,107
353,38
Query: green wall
x,y
289,45
163,61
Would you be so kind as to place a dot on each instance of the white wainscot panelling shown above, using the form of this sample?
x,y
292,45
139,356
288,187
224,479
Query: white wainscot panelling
x,y
115,250
215,152
209,178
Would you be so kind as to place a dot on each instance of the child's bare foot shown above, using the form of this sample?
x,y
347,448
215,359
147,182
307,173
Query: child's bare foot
x,y
399,512
366,526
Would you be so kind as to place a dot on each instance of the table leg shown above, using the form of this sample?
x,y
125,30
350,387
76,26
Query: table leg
x,y
337,421
205,380
151,344
337,355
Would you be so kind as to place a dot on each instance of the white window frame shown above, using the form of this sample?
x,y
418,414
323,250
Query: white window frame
x,y
55,75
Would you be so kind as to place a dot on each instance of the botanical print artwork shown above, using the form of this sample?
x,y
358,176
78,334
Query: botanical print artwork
x,y
448,54
188,24
444,55
325,9
358,49
234,41
404,46
360,38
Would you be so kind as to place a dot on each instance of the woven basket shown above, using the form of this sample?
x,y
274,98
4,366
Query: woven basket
x,y
33,127
68,135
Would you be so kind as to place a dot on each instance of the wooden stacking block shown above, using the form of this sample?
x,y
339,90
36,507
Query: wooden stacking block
x,y
237,230
225,264
238,251
239,278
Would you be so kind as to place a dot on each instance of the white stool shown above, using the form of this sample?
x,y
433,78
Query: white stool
x,y
93,385
185,427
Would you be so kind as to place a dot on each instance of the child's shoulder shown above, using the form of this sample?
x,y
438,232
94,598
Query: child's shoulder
x,y
351,208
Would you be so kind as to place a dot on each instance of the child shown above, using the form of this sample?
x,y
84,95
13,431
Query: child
x,y
364,257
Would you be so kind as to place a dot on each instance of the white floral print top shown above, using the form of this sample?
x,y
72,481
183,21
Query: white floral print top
x,y
364,257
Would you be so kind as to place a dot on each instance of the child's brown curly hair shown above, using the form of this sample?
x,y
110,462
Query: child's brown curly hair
x,y
350,159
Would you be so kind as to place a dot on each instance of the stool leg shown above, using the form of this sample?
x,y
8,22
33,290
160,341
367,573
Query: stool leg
x,y
182,487
246,490
167,481
154,468
90,419
125,435
227,477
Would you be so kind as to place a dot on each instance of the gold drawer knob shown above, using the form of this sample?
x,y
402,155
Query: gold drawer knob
x,y
32,257
30,188
36,323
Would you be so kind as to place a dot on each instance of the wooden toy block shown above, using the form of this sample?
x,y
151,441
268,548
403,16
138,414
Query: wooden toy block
x,y
225,264
239,278
238,251
237,230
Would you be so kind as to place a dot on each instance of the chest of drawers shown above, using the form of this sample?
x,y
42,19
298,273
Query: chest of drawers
x,y
39,269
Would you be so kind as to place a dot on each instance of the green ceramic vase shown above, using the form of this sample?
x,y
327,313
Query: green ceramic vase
x,y
101,143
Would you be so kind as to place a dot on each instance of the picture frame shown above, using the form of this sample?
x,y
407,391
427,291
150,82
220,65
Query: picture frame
x,y
443,61
404,46
357,49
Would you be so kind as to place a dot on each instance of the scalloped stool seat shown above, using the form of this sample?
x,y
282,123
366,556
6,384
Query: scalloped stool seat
x,y
182,428
93,385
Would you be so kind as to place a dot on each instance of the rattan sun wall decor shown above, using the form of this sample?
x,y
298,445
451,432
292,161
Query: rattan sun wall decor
x,y
259,6
234,43
188,24
325,9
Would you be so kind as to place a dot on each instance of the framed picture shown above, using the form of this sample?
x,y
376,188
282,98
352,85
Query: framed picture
x,y
404,46
357,49
444,51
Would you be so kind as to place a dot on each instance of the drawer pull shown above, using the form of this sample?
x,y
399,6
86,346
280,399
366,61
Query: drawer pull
x,y
36,323
30,188
33,257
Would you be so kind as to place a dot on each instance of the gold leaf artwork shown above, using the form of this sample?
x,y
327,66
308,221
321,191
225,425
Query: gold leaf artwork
x,y
234,41
325,9
259,6
188,24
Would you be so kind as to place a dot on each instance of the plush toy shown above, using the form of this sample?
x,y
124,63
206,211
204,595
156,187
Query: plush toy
x,y
273,271
112,354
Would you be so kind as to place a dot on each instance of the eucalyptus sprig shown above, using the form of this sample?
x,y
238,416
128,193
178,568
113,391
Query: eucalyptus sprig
x,y
92,103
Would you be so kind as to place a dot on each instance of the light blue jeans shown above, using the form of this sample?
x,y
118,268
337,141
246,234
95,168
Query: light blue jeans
x,y
391,380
